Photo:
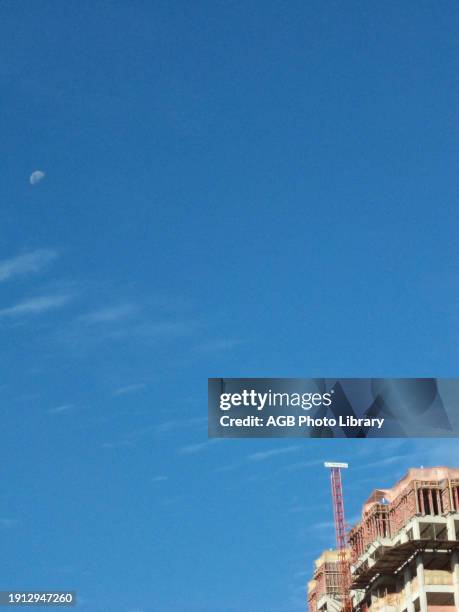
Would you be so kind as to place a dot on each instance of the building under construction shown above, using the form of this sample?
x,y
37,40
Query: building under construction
x,y
403,555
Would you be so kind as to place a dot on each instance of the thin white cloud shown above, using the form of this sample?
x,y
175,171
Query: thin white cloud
x,y
127,389
121,444
263,455
266,455
164,329
61,409
102,326
36,305
110,315
382,462
180,424
159,479
26,263
192,449
219,345
323,525
229,468
300,465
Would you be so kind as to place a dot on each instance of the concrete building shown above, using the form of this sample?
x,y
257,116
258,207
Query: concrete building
x,y
404,553
323,589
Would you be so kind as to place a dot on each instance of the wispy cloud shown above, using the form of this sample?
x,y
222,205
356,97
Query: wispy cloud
x,y
159,479
323,525
383,462
127,389
192,449
26,263
36,305
64,409
110,315
92,329
180,424
300,465
430,453
263,455
151,332
219,345
119,444
229,467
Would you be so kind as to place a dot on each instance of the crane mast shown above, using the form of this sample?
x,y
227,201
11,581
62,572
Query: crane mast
x,y
344,574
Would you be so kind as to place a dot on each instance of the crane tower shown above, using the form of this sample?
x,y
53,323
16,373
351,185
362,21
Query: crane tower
x,y
344,575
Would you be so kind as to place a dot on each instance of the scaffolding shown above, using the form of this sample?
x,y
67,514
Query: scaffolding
x,y
382,518
326,579
406,545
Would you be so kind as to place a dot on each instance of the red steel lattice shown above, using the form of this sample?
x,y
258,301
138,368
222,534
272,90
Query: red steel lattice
x,y
341,539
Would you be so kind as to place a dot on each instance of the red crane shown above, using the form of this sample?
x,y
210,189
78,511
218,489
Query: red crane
x,y
344,570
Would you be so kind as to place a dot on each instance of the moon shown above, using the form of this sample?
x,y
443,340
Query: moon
x,y
36,177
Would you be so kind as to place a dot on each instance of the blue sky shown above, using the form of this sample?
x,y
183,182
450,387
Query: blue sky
x,y
230,189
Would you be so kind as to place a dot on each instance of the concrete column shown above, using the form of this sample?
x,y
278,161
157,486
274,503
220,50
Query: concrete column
x,y
416,530
421,583
455,570
408,591
451,527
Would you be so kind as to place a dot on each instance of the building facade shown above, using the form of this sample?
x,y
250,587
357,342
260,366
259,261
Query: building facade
x,y
404,552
